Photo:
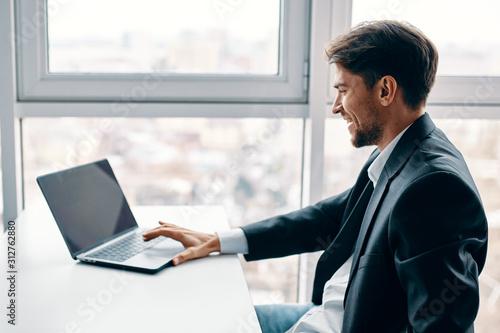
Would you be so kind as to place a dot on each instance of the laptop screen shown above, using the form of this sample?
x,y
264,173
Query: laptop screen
x,y
88,204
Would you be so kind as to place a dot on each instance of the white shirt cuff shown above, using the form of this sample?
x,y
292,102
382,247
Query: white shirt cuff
x,y
233,241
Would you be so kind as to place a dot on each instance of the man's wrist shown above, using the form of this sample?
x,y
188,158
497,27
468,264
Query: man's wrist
x,y
213,243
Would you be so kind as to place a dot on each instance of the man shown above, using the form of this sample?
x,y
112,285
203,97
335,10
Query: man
x,y
409,238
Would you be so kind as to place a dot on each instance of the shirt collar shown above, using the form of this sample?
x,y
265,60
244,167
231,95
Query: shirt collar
x,y
375,169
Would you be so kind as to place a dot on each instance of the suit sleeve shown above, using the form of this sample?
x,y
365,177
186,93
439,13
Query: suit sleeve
x,y
438,234
305,230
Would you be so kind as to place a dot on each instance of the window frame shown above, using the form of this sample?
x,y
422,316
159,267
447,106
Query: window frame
x,y
36,84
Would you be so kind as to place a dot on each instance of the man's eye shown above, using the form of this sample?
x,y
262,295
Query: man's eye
x,y
342,91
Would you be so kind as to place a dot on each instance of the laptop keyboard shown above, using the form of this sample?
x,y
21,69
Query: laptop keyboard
x,y
125,248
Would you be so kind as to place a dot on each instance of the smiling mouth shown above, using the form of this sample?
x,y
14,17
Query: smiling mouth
x,y
349,121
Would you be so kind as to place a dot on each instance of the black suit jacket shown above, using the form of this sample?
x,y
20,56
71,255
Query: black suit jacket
x,y
418,241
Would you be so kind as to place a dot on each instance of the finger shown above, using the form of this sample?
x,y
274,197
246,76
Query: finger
x,y
153,233
167,224
164,231
148,235
156,228
194,252
191,253
182,257
162,225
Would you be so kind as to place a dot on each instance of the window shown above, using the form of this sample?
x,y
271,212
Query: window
x,y
147,50
121,80
182,37
469,49
250,166
343,162
463,32
478,141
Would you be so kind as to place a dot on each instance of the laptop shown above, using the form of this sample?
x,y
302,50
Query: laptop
x,y
96,222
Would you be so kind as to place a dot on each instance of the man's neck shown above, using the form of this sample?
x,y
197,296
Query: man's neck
x,y
394,127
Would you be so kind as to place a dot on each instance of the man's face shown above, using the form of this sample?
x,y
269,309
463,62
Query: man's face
x,y
356,104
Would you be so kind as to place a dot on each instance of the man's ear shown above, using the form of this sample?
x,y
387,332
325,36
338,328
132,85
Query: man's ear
x,y
387,87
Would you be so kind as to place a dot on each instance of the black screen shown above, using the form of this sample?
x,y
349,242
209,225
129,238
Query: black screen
x,y
87,203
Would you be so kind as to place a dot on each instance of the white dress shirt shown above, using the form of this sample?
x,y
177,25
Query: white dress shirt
x,y
328,316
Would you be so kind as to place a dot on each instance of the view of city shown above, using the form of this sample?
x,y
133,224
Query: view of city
x,y
250,166
202,37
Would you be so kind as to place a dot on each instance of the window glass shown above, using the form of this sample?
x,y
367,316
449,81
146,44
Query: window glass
x,y
186,37
251,167
342,161
479,142
464,32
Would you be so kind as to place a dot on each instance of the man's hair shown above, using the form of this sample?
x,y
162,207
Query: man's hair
x,y
375,49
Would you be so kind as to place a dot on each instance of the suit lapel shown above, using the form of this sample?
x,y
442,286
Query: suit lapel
x,y
373,206
405,148
341,248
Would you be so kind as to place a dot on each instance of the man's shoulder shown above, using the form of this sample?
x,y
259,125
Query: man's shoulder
x,y
437,154
440,154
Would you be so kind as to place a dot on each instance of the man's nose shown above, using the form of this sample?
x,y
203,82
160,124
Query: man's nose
x,y
336,107
337,104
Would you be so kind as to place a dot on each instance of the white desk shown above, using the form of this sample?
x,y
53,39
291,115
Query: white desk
x,y
56,294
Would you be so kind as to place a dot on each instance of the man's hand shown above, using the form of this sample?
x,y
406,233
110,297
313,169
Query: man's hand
x,y
197,244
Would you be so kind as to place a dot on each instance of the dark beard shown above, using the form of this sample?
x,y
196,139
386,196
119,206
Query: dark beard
x,y
368,137
372,133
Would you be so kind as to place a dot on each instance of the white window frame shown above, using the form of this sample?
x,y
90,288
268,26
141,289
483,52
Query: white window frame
x,y
9,124
37,84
